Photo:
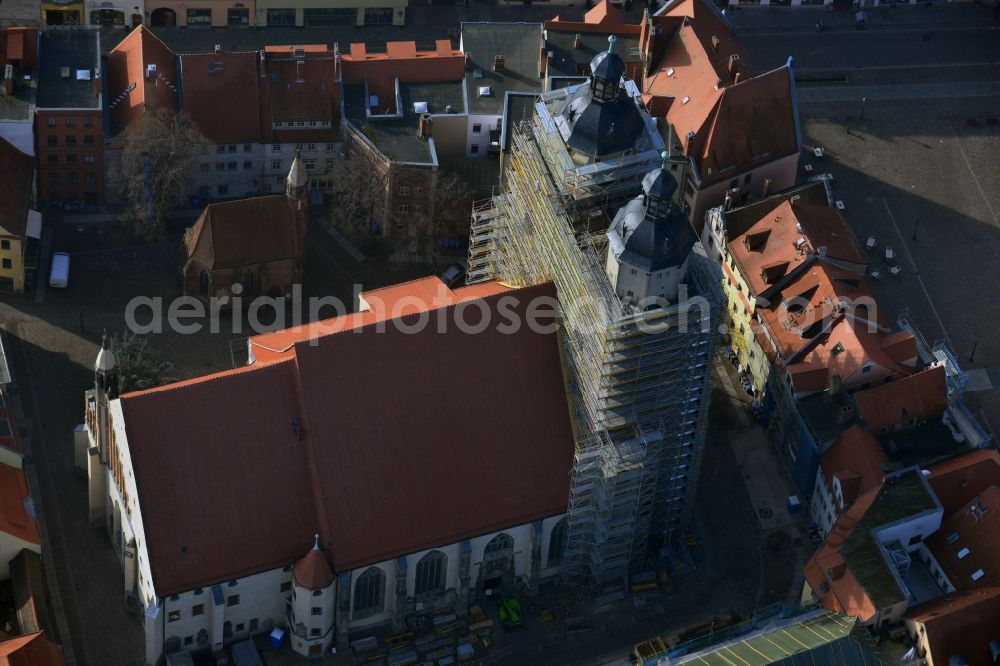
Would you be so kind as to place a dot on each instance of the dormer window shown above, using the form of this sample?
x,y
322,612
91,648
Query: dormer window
x,y
603,90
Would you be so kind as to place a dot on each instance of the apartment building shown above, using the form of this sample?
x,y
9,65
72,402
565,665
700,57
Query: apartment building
x,y
69,118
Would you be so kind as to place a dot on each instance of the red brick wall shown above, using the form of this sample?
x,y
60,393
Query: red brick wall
x,y
69,167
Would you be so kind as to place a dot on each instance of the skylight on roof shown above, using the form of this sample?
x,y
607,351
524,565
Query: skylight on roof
x,y
964,553
670,72
685,100
485,91
420,107
83,75
977,574
952,538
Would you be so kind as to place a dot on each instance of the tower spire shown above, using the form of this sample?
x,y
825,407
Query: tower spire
x,y
611,43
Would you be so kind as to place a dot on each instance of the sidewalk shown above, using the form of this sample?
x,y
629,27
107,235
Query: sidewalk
x,y
754,19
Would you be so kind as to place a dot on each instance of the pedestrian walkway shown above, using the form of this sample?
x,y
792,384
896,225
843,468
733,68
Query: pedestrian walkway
x,y
874,93
755,19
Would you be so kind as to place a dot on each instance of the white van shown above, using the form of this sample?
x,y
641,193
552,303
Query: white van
x,y
59,275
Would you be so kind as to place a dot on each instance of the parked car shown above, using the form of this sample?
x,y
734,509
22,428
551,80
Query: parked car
x,y
59,275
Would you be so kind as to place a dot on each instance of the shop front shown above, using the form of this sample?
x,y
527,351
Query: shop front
x,y
203,13
330,13
62,12
112,14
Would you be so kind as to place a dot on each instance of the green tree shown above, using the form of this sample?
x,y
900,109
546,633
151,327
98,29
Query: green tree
x,y
156,166
139,363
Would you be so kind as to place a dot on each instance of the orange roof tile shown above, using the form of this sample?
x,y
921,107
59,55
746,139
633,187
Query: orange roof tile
x,y
961,623
923,396
386,412
974,535
958,480
129,63
242,232
30,650
313,572
222,95
302,89
859,451
901,347
604,13
411,297
14,517
842,594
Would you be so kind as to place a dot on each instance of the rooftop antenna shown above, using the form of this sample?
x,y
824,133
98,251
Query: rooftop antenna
x,y
611,43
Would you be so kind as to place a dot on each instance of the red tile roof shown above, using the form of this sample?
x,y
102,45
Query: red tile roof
x,y
17,172
923,395
222,95
840,591
242,232
961,623
223,479
858,451
604,13
974,528
14,517
128,64
313,572
19,43
300,89
901,347
243,480
958,480
30,650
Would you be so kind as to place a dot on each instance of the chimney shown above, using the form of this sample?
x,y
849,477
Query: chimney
x,y
263,67
64,72
218,49
715,42
576,41
300,71
426,126
767,187
468,60
734,65
727,203
738,77
834,384
542,62
498,63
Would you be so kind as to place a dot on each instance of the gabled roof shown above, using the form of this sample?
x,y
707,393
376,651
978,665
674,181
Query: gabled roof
x,y
246,231
603,14
30,650
961,624
752,123
858,451
849,572
922,396
347,431
222,95
968,543
958,480
129,63
303,88
16,179
14,498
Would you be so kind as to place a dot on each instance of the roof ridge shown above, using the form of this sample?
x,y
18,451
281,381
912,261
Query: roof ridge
x,y
204,379
363,327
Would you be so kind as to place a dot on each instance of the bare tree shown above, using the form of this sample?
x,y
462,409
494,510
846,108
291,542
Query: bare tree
x,y
156,167
444,215
358,190
139,365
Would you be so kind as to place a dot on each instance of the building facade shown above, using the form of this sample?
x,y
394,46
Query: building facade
x,y
202,13
197,593
69,119
587,150
20,223
320,14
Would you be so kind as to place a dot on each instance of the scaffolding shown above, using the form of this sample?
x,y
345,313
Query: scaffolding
x,y
638,380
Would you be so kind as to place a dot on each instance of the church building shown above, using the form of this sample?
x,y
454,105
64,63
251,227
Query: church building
x,y
357,471
258,243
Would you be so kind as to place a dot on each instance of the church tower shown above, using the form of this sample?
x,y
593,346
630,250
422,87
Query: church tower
x,y
105,390
297,191
649,242
313,595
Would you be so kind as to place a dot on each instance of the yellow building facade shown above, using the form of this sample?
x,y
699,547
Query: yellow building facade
x,y
214,13
327,13
11,261
743,327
